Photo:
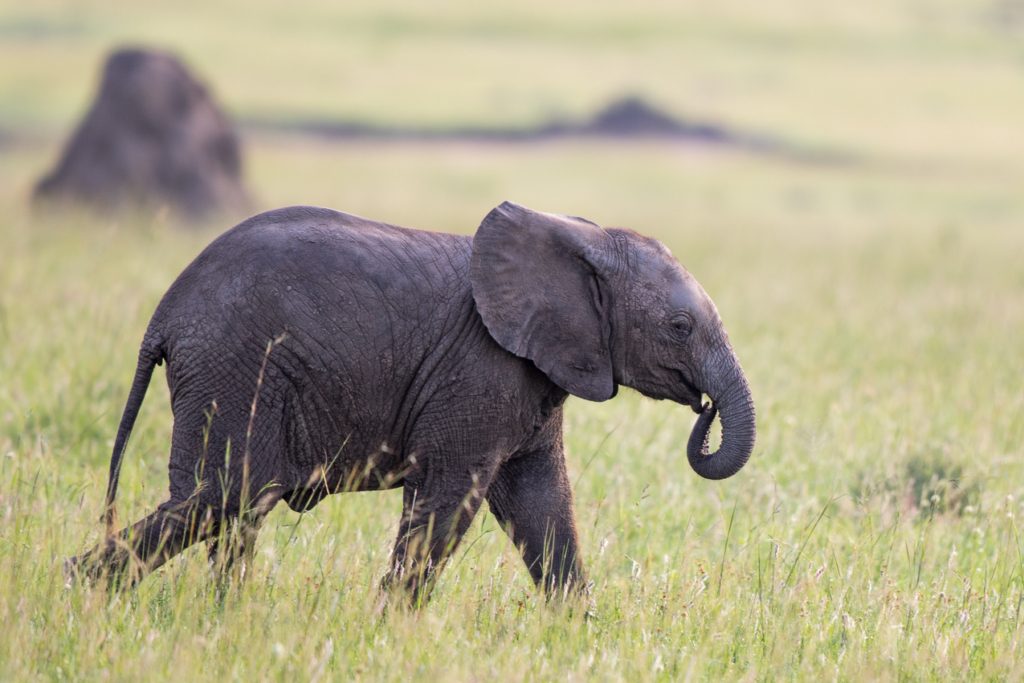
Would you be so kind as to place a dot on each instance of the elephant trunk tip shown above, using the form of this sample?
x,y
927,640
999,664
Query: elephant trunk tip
x,y
738,434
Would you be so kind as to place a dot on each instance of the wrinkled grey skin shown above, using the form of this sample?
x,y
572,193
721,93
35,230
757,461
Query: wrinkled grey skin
x,y
434,362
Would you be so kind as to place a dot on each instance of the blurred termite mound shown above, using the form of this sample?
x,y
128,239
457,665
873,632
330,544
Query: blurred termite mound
x,y
152,140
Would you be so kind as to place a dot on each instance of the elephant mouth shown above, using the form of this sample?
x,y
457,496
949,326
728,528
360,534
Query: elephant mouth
x,y
691,395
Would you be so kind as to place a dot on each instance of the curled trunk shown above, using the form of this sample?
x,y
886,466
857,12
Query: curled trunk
x,y
738,431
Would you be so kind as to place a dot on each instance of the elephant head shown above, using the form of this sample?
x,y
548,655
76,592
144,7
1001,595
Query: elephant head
x,y
594,308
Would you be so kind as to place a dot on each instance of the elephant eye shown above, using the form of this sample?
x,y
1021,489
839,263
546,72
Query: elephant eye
x,y
682,326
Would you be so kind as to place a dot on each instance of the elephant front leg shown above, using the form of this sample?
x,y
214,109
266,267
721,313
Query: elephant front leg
x,y
531,496
434,520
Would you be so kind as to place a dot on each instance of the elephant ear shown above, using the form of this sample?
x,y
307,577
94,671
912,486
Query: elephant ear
x,y
538,286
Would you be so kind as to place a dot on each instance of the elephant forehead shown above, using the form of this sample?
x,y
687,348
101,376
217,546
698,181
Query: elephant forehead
x,y
672,290
664,281
684,292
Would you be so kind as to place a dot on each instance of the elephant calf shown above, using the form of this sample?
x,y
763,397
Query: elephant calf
x,y
311,352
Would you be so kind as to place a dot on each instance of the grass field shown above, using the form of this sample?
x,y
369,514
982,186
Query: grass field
x,y
877,307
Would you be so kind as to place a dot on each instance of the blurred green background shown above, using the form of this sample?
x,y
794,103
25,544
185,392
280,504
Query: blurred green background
x,y
937,78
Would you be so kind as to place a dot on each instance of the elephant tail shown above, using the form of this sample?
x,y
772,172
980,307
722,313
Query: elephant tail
x,y
150,355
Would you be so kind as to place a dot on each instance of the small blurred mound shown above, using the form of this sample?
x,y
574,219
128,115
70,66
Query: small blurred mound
x,y
633,117
153,140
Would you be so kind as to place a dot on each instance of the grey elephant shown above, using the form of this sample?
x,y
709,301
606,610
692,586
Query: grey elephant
x,y
311,352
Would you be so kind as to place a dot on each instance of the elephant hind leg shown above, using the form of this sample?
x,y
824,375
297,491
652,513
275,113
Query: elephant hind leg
x,y
146,545
232,541
230,548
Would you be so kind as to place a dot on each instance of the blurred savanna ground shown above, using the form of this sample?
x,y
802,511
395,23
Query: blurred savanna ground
x,y
876,302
